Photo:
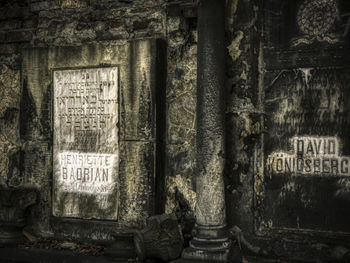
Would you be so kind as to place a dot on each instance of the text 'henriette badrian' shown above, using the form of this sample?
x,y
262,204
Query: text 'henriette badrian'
x,y
87,172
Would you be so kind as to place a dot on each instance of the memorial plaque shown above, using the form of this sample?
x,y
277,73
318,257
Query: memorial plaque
x,y
306,151
302,174
86,142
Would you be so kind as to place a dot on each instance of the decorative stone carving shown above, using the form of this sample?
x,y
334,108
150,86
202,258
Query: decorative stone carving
x,y
315,20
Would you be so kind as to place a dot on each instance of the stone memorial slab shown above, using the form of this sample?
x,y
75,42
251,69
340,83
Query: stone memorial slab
x,y
302,178
305,185
96,116
86,148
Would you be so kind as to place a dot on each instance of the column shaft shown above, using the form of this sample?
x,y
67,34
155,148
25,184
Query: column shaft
x,y
210,243
210,113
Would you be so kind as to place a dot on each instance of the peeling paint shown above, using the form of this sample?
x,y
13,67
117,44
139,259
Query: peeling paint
x,y
230,14
233,48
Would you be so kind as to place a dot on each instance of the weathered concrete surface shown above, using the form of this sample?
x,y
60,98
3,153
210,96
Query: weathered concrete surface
x,y
181,129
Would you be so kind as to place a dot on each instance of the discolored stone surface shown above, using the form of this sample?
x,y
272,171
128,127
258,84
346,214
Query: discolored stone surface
x,y
10,95
181,114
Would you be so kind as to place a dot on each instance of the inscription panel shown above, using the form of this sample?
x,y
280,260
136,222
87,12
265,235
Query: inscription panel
x,y
86,142
304,182
311,155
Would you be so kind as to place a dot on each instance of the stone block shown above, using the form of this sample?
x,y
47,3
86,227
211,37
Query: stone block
x,y
19,36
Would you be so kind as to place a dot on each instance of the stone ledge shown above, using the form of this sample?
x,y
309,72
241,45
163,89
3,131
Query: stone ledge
x,y
13,254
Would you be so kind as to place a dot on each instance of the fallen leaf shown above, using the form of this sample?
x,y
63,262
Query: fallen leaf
x,y
29,236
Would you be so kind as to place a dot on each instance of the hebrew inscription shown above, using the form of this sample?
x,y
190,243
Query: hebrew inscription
x,y
86,132
86,100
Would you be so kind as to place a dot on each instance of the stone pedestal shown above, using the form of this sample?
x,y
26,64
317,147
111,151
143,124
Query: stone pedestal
x,y
210,242
13,204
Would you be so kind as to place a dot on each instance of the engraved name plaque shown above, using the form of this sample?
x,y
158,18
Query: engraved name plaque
x,y
86,143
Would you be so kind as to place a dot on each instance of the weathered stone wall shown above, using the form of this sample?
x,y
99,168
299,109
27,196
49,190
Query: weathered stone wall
x,y
10,92
25,114
26,129
271,47
181,111
77,22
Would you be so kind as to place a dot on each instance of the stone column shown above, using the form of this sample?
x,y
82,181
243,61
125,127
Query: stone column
x,y
210,242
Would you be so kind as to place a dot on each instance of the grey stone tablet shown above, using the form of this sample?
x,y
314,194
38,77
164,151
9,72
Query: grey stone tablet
x,y
85,150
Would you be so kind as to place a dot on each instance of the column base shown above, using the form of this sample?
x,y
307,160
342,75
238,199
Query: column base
x,y
225,255
190,255
210,244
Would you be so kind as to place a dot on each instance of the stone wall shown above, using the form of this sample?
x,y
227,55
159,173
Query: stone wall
x,y
25,114
25,129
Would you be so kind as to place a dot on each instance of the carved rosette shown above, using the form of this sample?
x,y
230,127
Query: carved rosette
x,y
315,20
